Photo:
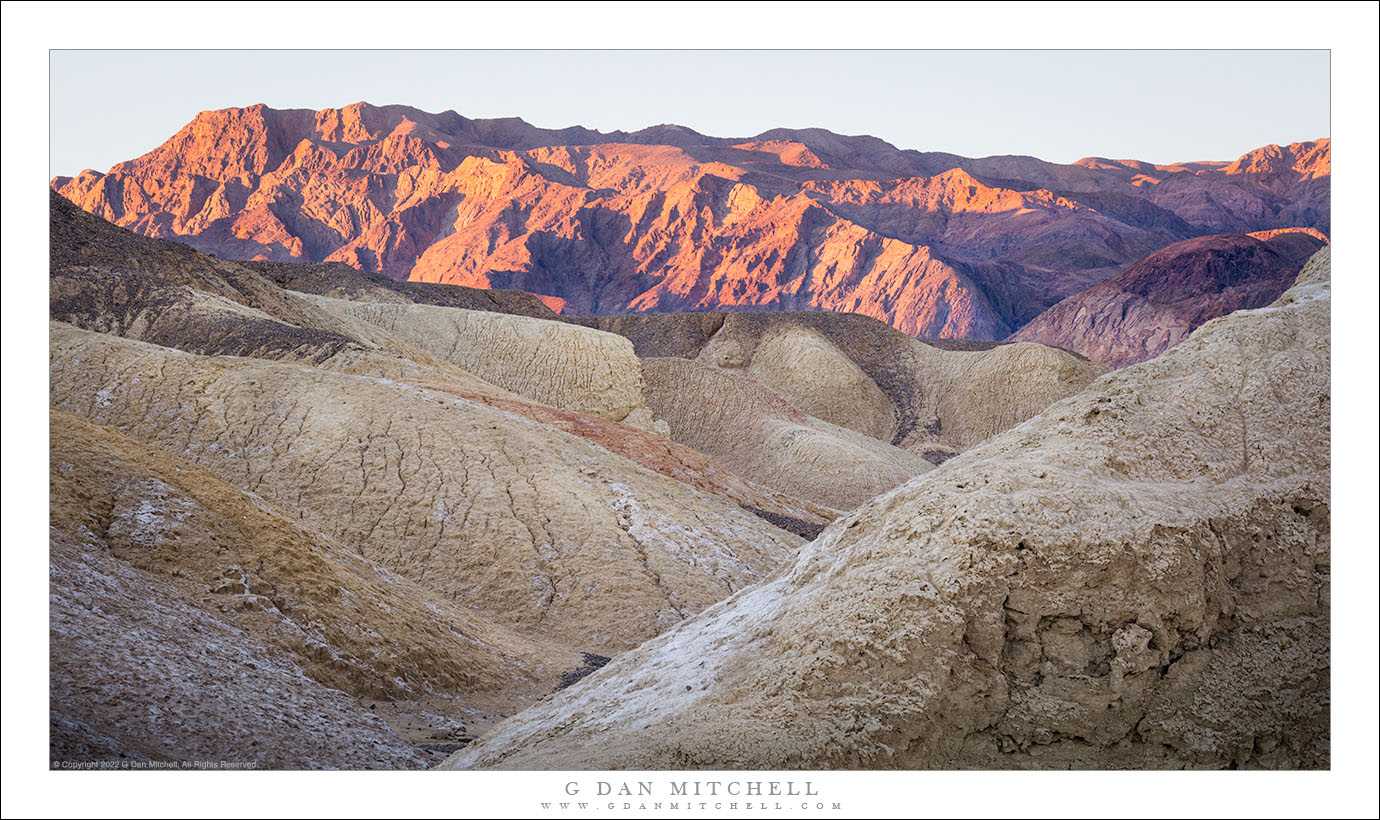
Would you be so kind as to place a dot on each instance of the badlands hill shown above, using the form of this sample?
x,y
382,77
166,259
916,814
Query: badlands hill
x,y
1157,302
930,398
666,219
191,618
394,513
1137,577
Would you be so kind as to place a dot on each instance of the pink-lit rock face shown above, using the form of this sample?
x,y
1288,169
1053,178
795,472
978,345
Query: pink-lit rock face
x,y
665,219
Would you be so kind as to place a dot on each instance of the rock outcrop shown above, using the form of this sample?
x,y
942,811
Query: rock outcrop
x,y
666,219
1157,302
1137,577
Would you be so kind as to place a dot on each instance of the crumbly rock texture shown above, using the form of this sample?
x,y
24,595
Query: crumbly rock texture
x,y
1138,577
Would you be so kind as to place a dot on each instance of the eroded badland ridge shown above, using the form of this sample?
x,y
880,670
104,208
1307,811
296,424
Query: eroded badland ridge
x,y
1137,577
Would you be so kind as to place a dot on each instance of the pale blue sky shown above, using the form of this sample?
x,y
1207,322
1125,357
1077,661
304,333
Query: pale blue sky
x,y
1160,106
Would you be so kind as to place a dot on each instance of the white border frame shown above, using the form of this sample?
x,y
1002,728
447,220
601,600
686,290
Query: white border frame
x,y
1348,29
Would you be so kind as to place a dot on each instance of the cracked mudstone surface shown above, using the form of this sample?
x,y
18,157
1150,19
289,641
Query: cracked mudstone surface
x,y
561,365
1137,577
453,494
194,621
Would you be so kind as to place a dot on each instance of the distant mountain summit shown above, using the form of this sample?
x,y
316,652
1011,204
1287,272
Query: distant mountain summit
x,y
667,219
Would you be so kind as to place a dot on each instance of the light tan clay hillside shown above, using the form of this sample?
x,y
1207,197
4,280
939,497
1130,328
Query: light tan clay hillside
x,y
557,364
774,399
761,437
659,454
257,637
860,374
946,400
550,361
155,310
1006,385
536,528
1136,578
807,370
105,279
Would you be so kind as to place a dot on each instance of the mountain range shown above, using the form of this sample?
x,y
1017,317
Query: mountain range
x,y
669,220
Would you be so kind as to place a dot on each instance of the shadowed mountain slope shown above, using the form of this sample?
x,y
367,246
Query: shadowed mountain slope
x,y
1156,303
